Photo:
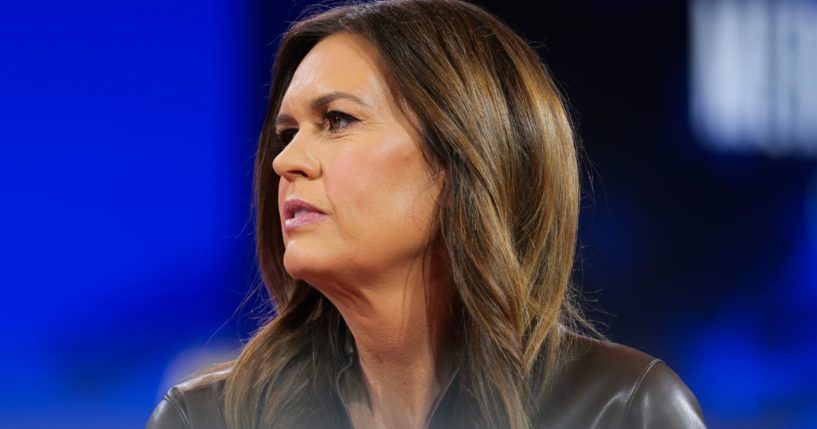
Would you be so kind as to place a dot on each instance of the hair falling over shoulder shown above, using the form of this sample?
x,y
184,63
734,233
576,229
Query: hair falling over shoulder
x,y
492,118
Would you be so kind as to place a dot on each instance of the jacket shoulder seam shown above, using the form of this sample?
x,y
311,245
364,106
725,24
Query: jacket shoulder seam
x,y
169,397
637,386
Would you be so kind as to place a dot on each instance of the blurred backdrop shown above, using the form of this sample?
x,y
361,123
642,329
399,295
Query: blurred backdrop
x,y
127,131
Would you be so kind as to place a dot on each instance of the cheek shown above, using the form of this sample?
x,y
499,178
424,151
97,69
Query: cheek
x,y
351,183
382,190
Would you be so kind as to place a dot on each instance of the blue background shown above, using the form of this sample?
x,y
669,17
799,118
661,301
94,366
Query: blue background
x,y
127,131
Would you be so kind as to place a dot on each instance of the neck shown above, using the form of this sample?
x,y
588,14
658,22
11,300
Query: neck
x,y
402,336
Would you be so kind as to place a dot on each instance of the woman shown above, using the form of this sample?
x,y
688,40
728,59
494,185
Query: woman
x,y
420,247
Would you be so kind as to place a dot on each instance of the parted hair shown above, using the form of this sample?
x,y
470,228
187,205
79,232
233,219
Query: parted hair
x,y
491,117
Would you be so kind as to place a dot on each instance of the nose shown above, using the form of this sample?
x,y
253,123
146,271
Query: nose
x,y
296,162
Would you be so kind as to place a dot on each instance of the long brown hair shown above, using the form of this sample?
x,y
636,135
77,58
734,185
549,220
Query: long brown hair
x,y
489,115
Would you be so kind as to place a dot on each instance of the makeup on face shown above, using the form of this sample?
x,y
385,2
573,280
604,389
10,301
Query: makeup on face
x,y
356,195
298,213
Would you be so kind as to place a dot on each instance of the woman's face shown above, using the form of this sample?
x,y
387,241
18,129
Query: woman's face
x,y
356,196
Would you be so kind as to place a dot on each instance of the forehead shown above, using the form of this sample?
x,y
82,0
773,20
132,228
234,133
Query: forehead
x,y
342,62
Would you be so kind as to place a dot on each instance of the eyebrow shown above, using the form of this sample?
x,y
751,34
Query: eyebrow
x,y
320,103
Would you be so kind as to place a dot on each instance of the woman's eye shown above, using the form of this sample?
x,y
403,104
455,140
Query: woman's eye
x,y
286,136
338,121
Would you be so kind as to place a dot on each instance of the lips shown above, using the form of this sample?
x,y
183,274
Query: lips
x,y
299,213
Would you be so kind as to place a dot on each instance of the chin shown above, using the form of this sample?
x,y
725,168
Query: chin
x,y
296,265
305,265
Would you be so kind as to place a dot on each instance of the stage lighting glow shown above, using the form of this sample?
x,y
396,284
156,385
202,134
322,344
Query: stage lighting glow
x,y
754,75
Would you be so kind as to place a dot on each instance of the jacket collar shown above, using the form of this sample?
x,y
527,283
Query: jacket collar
x,y
349,387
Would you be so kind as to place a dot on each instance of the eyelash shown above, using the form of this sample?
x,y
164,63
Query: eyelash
x,y
330,119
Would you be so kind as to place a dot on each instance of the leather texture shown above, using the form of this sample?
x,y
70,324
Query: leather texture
x,y
601,385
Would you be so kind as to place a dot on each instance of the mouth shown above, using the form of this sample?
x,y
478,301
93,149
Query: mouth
x,y
300,213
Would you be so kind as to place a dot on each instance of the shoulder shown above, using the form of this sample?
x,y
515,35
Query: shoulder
x,y
604,384
193,404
